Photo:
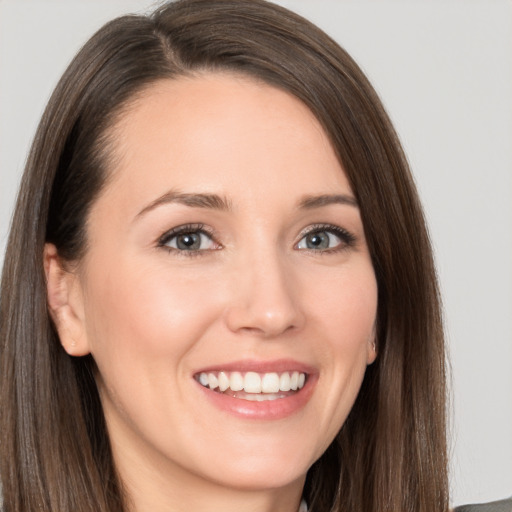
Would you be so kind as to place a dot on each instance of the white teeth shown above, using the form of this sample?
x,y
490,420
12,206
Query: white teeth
x,y
258,384
213,382
270,383
255,397
260,397
252,383
284,382
203,379
236,381
294,381
223,381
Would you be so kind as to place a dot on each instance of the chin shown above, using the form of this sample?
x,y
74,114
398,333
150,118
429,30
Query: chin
x,y
263,469
262,478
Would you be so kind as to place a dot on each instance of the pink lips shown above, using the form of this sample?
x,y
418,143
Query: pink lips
x,y
264,410
279,365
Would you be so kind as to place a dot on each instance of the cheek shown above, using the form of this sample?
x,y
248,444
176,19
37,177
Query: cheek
x,y
345,310
353,327
345,304
146,313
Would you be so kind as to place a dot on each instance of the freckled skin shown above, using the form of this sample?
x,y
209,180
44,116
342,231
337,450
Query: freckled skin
x,y
153,316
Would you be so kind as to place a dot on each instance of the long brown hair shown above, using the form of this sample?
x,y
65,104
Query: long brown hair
x,y
390,454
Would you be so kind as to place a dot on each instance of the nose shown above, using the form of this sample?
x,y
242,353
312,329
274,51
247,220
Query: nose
x,y
265,300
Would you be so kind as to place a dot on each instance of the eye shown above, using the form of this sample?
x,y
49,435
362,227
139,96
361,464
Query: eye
x,y
191,242
189,238
325,238
319,240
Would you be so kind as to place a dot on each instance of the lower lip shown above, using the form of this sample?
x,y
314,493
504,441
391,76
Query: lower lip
x,y
266,410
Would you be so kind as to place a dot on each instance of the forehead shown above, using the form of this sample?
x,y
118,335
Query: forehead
x,y
222,133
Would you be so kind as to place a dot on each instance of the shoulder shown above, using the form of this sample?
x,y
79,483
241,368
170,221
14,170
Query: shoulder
x,y
495,506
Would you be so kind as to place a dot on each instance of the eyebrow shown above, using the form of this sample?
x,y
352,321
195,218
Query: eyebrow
x,y
216,202
209,201
310,202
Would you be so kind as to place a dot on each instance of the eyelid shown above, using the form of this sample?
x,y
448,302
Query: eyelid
x,y
347,238
164,239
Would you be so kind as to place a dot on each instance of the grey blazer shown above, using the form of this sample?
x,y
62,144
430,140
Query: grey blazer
x,y
495,506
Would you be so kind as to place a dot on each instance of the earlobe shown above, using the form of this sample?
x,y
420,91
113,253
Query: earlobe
x,y
371,350
65,303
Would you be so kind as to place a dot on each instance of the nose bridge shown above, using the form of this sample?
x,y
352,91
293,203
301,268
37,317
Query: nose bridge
x,y
264,301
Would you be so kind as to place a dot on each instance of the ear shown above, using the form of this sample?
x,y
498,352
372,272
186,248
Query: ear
x,y
66,304
371,350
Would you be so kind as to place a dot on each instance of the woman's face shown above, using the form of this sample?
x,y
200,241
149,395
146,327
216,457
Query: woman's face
x,y
227,250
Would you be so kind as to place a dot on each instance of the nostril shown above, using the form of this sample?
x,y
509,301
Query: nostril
x,y
268,331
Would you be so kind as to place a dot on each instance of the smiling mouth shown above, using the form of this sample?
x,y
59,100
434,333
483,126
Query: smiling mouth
x,y
253,386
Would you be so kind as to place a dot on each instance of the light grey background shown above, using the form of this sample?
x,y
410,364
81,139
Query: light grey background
x,y
444,71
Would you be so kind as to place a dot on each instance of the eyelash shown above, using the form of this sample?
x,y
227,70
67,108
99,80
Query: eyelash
x,y
347,239
186,229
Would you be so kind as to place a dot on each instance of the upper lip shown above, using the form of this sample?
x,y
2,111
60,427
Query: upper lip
x,y
259,366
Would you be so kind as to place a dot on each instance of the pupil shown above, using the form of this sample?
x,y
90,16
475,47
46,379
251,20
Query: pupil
x,y
318,240
188,241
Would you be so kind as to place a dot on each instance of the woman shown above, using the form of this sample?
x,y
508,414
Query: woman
x,y
219,289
